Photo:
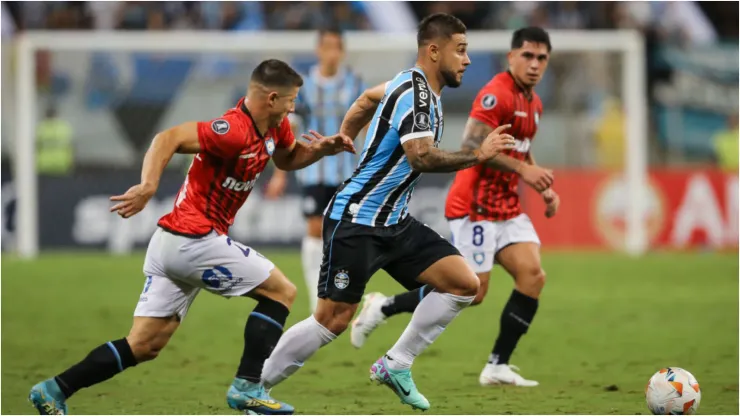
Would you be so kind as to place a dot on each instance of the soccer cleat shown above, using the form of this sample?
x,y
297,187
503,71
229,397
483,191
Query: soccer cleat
x,y
253,399
400,382
495,374
369,318
48,398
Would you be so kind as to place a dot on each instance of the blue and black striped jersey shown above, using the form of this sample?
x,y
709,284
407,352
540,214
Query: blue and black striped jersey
x,y
380,188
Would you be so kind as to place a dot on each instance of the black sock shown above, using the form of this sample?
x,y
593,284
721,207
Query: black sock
x,y
515,320
405,302
261,333
101,364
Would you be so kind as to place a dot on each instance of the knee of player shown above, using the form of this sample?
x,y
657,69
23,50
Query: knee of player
x,y
335,316
290,292
531,282
468,286
478,298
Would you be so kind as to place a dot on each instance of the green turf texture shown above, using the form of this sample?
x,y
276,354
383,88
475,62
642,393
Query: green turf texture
x,y
605,324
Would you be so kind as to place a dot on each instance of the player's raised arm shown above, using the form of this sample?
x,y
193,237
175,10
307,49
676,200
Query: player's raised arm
x,y
362,110
179,139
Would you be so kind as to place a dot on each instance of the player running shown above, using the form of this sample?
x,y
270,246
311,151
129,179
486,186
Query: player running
x,y
330,90
190,250
367,226
484,211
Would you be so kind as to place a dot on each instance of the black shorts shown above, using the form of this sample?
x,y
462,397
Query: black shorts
x,y
354,252
316,198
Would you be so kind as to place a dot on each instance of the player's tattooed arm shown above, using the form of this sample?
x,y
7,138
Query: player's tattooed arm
x,y
535,176
424,157
474,134
362,110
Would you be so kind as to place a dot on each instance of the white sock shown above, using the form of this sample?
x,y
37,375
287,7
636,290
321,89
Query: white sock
x,y
296,345
312,250
430,318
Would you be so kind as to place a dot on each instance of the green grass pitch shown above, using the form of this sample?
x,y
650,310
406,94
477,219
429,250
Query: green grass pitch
x,y
606,323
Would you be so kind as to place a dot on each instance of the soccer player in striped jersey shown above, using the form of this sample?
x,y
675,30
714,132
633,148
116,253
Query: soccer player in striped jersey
x,y
484,211
330,89
191,251
367,226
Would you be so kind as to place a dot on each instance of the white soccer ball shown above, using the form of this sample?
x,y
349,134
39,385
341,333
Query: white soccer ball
x,y
673,391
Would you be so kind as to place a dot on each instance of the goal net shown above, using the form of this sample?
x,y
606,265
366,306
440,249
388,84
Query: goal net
x,y
109,93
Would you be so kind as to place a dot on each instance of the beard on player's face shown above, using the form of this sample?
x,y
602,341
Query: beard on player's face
x,y
451,78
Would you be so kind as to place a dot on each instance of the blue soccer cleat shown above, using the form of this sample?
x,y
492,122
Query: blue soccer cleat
x,y
48,398
400,382
253,399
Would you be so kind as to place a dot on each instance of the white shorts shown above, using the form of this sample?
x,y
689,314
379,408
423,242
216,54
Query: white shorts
x,y
178,267
479,241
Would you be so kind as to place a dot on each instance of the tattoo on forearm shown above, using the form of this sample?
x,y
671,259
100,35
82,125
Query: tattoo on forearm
x,y
475,133
424,157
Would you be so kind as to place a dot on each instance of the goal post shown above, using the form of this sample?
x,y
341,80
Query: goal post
x,y
629,45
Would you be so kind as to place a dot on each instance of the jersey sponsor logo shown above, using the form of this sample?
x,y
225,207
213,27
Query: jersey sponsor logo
x,y
220,126
537,118
220,278
247,156
522,146
239,186
423,91
488,102
341,280
422,121
520,114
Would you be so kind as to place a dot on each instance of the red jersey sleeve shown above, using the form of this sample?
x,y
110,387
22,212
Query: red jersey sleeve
x,y
284,136
492,106
222,137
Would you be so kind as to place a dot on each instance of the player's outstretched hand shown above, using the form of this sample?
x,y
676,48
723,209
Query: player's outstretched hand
x,y
496,142
330,145
133,201
553,202
537,177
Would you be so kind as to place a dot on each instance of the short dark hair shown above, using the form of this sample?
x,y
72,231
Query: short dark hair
x,y
330,30
277,74
438,25
532,34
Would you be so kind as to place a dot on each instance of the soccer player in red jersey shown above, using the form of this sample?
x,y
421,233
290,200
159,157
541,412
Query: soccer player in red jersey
x,y
191,251
484,211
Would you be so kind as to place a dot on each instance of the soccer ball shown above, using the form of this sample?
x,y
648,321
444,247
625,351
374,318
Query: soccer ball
x,y
673,391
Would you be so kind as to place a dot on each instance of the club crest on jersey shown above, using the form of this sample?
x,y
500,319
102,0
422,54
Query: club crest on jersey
x,y
421,121
341,280
479,257
220,126
488,101
270,145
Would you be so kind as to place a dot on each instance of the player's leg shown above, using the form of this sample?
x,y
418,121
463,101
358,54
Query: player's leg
x,y
349,260
315,199
520,256
161,307
228,268
425,258
474,240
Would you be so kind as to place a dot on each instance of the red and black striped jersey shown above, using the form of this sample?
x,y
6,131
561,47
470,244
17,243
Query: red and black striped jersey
x,y
233,155
484,193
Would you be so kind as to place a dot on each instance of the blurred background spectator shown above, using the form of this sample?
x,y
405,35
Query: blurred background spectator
x,y
691,46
